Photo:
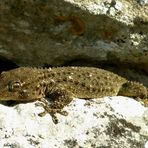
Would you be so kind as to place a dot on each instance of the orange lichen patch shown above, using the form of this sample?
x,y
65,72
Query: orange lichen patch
x,y
77,24
61,19
108,32
107,35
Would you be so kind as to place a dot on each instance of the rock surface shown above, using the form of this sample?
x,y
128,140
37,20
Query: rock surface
x,y
110,122
66,32
58,32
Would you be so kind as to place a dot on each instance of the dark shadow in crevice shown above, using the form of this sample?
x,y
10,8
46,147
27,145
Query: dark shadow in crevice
x,y
6,64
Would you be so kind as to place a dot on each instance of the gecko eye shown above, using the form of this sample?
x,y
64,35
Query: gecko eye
x,y
14,85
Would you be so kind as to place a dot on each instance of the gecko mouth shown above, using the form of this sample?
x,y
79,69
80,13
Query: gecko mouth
x,y
5,95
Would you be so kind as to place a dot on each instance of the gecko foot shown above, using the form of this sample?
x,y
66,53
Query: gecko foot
x,y
48,109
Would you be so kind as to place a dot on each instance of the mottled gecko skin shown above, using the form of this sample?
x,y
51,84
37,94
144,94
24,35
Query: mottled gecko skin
x,y
63,84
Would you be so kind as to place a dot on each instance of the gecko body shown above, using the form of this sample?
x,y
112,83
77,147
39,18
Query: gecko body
x,y
62,84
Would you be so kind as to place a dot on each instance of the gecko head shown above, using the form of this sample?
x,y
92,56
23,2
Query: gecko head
x,y
18,84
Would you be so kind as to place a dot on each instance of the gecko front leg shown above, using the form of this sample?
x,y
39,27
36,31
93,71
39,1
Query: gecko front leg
x,y
58,98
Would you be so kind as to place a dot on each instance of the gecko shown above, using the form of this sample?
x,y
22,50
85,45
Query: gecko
x,y
62,84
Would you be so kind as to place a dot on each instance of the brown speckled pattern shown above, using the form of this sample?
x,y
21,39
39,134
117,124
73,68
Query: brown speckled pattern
x,y
62,84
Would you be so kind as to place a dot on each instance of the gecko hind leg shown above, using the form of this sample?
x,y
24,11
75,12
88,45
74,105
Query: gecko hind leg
x,y
136,90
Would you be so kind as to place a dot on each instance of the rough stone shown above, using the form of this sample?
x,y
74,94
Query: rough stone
x,y
109,122
143,2
57,32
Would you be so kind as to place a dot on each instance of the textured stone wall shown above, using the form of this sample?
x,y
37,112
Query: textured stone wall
x,y
58,32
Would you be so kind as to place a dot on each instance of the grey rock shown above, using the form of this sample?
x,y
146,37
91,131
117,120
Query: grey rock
x,y
143,2
106,122
59,32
